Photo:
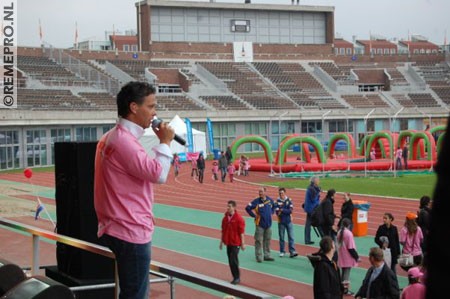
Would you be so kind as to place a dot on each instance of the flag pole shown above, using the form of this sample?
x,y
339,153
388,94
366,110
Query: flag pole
x,y
76,35
40,32
40,204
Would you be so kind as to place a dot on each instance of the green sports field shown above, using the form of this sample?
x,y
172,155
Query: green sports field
x,y
406,186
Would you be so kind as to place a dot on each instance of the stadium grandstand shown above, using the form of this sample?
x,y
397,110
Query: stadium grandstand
x,y
251,68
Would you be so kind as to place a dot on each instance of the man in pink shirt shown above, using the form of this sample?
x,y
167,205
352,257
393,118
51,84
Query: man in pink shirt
x,y
123,192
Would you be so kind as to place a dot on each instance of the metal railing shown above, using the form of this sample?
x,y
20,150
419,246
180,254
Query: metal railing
x,y
165,272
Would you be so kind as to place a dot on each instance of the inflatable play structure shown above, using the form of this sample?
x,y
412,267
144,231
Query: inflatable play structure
x,y
423,148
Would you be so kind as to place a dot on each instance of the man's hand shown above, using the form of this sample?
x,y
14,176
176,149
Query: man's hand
x,y
165,133
243,247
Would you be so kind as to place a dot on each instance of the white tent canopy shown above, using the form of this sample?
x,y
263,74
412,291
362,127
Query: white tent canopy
x,y
149,139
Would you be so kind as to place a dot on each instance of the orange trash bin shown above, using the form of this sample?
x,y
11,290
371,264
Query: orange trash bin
x,y
360,218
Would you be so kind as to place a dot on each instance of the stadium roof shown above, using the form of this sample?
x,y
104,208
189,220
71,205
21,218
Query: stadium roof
x,y
419,44
376,43
241,6
340,43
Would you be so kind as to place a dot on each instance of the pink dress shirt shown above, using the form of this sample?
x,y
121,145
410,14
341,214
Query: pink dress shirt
x,y
123,191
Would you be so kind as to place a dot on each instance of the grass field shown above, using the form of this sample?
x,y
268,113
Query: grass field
x,y
407,186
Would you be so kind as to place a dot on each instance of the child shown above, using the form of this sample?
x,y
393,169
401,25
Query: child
x,y
230,170
194,167
176,164
215,170
415,289
372,154
246,166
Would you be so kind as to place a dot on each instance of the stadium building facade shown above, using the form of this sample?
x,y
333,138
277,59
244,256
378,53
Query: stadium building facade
x,y
269,70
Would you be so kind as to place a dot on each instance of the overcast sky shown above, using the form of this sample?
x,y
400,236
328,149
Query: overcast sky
x,y
389,18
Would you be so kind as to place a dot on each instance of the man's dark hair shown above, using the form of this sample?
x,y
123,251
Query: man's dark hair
x,y
281,189
326,244
424,201
133,91
232,203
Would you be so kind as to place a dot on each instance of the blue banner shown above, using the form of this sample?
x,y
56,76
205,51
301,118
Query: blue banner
x,y
190,138
210,134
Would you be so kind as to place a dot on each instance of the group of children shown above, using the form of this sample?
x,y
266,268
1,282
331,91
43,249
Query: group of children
x,y
244,167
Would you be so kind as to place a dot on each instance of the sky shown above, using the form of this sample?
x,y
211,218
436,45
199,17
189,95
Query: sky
x,y
389,18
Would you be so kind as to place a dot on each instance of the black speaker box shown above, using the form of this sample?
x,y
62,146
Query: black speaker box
x,y
74,178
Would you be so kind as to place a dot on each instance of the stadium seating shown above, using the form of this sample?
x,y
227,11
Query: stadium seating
x,y
47,71
224,102
259,85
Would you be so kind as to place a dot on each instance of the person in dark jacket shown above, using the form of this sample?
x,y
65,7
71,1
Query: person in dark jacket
x,y
347,211
391,232
229,155
223,164
312,199
328,214
423,219
201,167
327,279
233,230
405,155
380,282
262,209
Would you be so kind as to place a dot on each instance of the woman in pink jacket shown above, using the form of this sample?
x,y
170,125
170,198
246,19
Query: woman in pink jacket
x,y
347,255
411,238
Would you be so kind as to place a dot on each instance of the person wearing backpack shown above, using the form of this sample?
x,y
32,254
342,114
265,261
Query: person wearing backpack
x,y
312,199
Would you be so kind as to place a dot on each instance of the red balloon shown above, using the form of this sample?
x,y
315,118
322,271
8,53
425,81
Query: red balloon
x,y
28,173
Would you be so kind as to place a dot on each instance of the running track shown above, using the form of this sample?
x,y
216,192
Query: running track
x,y
211,196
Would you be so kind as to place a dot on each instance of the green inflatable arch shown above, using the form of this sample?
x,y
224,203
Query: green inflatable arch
x,y
429,142
252,139
439,142
361,144
364,141
438,129
376,137
351,151
402,136
301,139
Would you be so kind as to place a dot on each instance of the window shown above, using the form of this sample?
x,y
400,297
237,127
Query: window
x,y
134,48
335,126
35,152
342,51
255,128
106,128
403,124
224,134
379,51
312,127
392,51
86,134
386,51
9,147
336,51
349,51
126,48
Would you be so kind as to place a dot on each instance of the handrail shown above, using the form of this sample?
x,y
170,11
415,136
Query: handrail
x,y
170,271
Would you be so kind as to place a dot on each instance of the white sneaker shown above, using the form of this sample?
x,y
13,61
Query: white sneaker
x,y
282,254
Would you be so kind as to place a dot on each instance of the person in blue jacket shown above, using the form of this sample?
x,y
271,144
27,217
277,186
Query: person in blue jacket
x,y
262,209
284,209
312,199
